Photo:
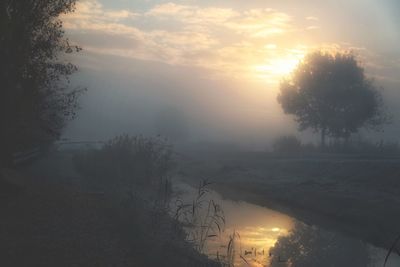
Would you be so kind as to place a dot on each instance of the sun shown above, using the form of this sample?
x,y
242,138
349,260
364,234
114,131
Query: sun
x,y
278,67
276,229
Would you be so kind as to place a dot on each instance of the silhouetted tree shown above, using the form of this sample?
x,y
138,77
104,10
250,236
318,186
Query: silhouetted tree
x,y
330,94
35,99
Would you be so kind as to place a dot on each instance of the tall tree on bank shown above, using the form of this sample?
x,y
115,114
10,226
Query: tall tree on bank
x,y
330,94
35,98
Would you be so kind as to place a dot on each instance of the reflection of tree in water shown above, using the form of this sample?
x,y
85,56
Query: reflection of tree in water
x,y
312,247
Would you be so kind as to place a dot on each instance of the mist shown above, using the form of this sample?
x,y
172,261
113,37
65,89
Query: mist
x,y
199,133
127,96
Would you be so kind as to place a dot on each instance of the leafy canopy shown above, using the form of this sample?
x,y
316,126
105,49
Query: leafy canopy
x,y
35,96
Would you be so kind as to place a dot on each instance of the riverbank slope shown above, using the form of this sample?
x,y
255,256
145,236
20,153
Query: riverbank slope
x,y
356,195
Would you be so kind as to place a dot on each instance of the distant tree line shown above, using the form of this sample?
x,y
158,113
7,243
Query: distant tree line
x,y
35,97
356,145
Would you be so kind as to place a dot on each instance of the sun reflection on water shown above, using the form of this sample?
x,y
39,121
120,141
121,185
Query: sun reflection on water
x,y
263,237
254,244
258,230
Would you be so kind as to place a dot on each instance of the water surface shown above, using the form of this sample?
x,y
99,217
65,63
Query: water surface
x,y
265,237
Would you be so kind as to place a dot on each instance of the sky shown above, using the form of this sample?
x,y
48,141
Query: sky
x,y
217,63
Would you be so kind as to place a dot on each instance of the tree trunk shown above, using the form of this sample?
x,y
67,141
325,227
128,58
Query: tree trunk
x,y
7,141
6,159
323,134
346,140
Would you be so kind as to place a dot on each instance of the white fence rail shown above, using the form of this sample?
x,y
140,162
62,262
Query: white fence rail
x,y
25,156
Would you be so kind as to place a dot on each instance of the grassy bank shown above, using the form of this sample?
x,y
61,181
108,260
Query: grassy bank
x,y
354,194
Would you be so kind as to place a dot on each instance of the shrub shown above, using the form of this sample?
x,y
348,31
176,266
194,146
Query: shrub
x,y
362,146
287,144
129,160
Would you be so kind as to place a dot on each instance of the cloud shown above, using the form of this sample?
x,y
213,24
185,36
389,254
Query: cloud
x,y
93,11
224,40
192,14
252,43
312,18
314,27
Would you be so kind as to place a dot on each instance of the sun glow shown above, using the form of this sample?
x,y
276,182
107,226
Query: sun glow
x,y
275,229
278,67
